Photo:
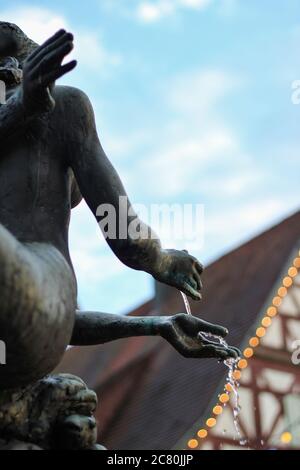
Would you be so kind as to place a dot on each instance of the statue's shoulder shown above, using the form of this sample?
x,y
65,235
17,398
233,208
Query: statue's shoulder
x,y
72,97
75,108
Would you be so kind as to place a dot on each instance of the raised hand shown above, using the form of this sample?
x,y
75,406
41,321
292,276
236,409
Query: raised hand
x,y
185,334
43,67
180,270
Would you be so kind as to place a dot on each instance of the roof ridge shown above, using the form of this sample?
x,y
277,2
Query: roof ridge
x,y
253,239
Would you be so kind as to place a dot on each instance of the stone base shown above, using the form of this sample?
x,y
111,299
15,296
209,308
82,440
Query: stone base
x,y
54,413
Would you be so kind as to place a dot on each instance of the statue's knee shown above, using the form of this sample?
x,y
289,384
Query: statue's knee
x,y
70,394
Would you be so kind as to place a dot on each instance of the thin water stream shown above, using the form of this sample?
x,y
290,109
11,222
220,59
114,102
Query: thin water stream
x,y
231,364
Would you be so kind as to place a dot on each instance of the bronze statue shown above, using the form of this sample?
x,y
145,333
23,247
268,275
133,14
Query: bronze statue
x,y
51,157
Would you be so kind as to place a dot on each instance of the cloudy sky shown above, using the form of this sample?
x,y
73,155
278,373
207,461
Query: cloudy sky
x,y
193,105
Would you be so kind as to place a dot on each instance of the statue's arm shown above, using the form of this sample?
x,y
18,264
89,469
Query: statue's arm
x,y
93,328
15,116
12,116
103,190
183,332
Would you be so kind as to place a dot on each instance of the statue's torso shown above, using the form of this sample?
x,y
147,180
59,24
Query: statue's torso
x,y
36,183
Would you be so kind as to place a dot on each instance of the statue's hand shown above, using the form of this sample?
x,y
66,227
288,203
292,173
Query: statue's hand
x,y
180,270
184,333
43,67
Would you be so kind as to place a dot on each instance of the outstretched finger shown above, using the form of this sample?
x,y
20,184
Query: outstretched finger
x,y
52,60
197,278
218,352
191,290
199,267
214,351
216,330
58,73
237,350
233,352
63,42
49,41
207,342
53,38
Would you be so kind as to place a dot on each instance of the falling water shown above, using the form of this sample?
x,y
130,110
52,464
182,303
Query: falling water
x,y
231,364
187,304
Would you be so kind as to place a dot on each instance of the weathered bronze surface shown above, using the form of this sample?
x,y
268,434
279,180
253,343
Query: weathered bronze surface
x,y
50,158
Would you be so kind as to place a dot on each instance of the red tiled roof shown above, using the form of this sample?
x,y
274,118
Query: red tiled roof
x,y
149,395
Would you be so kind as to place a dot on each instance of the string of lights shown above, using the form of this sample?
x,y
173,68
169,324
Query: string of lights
x,y
248,353
286,435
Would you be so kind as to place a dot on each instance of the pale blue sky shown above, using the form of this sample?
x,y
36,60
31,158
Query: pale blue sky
x,y
203,86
